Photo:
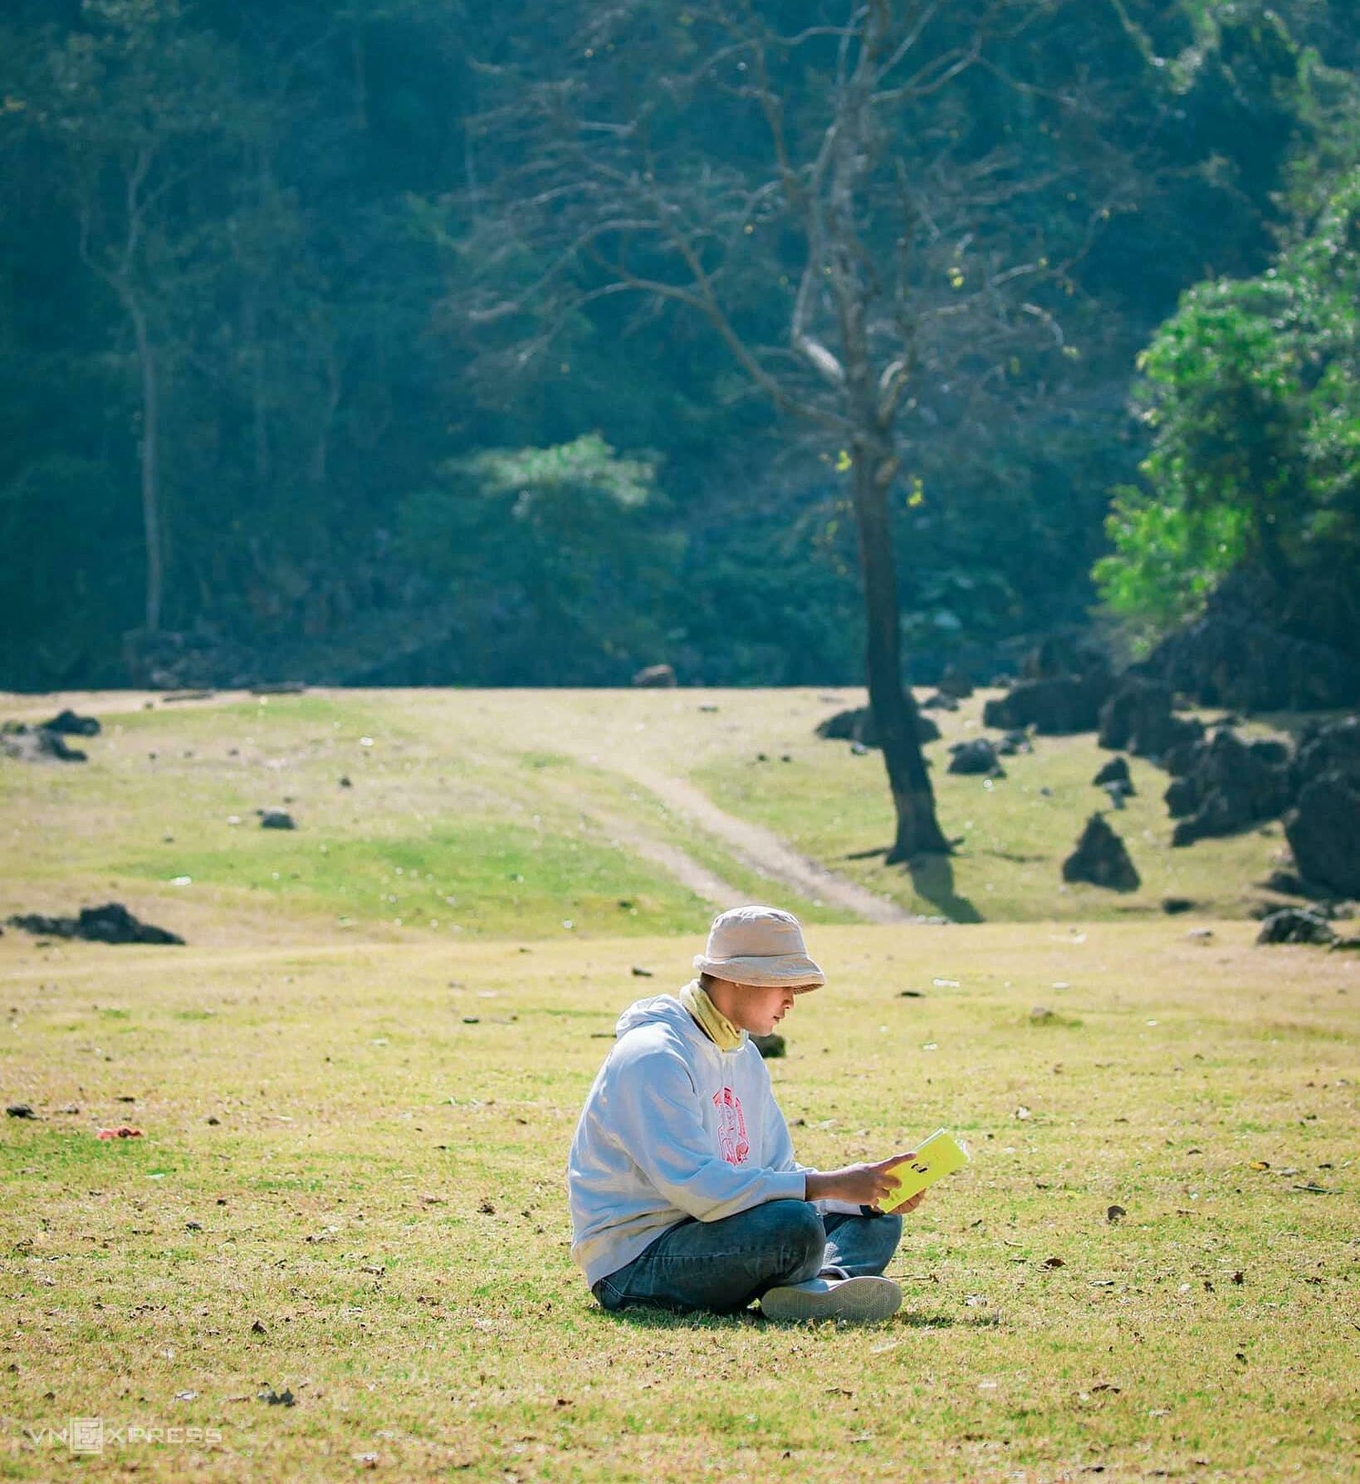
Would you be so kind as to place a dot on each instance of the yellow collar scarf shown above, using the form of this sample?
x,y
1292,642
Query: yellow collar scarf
x,y
714,1024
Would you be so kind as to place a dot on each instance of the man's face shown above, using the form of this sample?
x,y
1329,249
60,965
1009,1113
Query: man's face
x,y
760,1007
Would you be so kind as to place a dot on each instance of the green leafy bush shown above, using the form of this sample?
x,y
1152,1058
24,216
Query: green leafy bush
x,y
1252,393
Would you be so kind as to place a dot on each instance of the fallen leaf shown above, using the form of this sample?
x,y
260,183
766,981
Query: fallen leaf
x,y
486,1208
258,1329
1022,1112
1260,1164
1054,1262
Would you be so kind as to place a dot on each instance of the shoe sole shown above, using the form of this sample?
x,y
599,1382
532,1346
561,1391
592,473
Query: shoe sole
x,y
859,1300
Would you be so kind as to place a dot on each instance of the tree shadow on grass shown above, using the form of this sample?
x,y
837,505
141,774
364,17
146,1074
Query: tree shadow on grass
x,y
933,878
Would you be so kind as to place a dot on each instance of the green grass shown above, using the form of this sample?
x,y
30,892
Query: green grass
x,y
383,1193
473,789
450,830
1012,834
367,1124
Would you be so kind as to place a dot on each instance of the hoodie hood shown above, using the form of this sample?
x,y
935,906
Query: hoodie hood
x,y
662,1009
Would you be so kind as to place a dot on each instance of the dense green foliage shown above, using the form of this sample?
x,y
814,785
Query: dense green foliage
x,y
1252,393
247,390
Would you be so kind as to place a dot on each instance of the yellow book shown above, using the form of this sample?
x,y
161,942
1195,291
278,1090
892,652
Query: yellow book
x,y
940,1155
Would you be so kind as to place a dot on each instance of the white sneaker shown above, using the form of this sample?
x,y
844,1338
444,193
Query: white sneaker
x,y
860,1300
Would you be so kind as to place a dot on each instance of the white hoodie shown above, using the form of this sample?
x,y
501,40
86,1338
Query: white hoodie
x,y
672,1128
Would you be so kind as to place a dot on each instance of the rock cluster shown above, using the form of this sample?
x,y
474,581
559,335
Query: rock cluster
x,y
111,923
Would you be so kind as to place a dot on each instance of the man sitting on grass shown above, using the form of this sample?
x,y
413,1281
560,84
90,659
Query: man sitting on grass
x,y
685,1194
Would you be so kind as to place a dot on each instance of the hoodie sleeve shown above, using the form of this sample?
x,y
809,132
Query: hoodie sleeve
x,y
778,1140
657,1118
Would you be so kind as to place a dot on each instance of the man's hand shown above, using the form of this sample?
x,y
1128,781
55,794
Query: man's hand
x,y
860,1185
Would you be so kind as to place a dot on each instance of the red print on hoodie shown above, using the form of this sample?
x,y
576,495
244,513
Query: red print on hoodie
x,y
732,1141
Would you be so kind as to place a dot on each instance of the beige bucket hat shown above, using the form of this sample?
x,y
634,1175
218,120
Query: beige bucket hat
x,y
759,945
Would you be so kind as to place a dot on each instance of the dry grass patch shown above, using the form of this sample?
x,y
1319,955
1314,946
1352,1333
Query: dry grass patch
x,y
359,1148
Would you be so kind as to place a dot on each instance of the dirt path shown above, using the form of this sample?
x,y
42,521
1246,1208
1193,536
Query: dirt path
x,y
677,863
624,748
761,849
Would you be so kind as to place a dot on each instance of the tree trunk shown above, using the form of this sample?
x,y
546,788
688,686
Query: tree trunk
x,y
894,710
875,460
150,460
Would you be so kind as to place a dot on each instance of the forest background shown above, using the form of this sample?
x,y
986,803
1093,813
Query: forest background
x,y
281,394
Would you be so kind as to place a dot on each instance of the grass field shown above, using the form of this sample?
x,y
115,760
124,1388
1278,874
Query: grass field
x,y
350,1182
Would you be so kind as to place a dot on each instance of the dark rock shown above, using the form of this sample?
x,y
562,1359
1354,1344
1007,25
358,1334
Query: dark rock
x,y
1285,884
111,923
975,757
1272,754
1117,793
1174,906
68,724
1179,760
1014,742
276,819
955,683
1061,655
1115,771
27,745
857,725
20,1110
1323,831
1295,925
1182,798
1228,788
940,701
1138,716
1334,748
770,1046
1101,859
1234,657
655,675
1055,707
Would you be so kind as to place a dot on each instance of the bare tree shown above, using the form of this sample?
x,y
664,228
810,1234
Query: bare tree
x,y
835,171
136,104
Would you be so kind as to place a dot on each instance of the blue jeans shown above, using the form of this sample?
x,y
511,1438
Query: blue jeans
x,y
721,1266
